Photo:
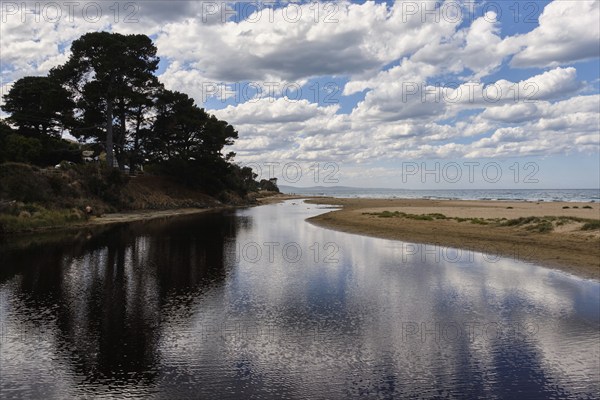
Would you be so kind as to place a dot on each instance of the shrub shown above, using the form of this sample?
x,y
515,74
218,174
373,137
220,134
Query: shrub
x,y
422,217
437,216
19,148
520,221
41,218
388,214
103,182
591,226
23,183
542,227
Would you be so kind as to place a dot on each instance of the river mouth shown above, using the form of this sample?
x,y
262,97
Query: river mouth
x,y
259,303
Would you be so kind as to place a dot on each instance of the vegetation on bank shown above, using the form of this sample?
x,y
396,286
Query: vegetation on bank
x,y
40,217
32,197
535,224
108,97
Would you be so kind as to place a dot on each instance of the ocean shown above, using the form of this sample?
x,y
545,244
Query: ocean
x,y
549,195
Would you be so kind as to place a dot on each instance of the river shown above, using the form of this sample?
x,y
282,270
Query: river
x,y
258,303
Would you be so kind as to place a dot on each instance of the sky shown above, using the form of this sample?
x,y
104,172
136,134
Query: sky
x,y
407,94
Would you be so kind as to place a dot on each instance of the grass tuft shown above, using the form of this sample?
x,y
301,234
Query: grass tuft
x,y
591,226
39,217
534,224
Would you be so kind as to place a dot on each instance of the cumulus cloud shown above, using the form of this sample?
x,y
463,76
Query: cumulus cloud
x,y
297,42
568,31
421,87
274,111
36,36
548,85
478,48
306,132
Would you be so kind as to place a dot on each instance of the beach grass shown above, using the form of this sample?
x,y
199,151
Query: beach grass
x,y
39,217
534,224
540,232
591,225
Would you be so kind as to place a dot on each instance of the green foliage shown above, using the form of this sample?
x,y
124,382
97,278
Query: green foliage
x,y
590,226
39,217
19,148
520,221
5,131
546,224
112,79
437,216
39,106
398,214
76,186
183,131
388,214
42,151
269,185
533,224
23,183
589,207
245,179
103,182
107,94
543,226
57,150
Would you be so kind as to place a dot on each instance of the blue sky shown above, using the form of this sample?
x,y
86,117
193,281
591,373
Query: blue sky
x,y
371,86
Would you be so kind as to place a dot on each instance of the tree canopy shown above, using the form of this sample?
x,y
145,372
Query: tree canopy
x,y
107,95
39,106
109,72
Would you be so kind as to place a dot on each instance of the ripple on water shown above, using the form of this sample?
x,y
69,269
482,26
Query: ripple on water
x,y
169,309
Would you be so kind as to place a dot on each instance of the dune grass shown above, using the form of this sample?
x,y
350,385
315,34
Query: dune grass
x,y
591,225
534,224
39,217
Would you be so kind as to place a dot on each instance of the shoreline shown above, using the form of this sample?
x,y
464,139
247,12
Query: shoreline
x,y
142,215
464,226
113,219
478,226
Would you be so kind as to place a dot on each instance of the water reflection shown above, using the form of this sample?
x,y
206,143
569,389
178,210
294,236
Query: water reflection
x,y
259,303
93,305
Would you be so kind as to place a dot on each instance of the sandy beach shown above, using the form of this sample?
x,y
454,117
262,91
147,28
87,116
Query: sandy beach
x,y
142,215
131,216
556,238
474,225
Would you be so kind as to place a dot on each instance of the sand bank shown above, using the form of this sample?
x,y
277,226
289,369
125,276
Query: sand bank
x,y
555,239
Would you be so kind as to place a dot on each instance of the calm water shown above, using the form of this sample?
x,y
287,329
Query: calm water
x,y
258,303
575,195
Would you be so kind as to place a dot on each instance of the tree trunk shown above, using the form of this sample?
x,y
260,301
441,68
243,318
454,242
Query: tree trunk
x,y
109,133
136,144
122,137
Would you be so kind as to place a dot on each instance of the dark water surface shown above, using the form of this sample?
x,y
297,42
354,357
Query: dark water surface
x,y
258,303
